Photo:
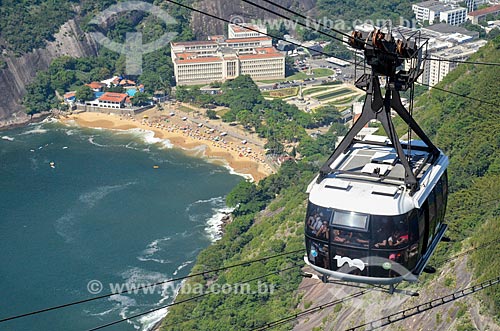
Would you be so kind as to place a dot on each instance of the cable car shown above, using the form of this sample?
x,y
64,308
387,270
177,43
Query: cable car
x,y
376,209
364,211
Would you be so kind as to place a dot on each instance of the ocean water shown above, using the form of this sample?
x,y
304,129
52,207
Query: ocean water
x,y
102,212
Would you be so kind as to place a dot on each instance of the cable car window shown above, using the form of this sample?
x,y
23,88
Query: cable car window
x,y
439,201
350,238
317,221
318,253
390,231
432,214
350,220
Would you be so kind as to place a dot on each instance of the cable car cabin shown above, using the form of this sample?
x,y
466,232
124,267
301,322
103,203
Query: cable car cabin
x,y
364,225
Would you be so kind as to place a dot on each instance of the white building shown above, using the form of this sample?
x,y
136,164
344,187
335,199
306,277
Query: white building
x,y
471,5
453,16
439,69
219,59
238,31
433,11
110,100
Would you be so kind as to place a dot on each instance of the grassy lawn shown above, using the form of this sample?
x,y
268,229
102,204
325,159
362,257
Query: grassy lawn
x,y
222,112
330,95
336,82
271,81
344,100
316,90
186,109
281,93
322,72
319,72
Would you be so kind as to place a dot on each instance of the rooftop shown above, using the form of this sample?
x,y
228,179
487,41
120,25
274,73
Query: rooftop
x,y
193,58
239,28
460,51
113,97
434,5
252,39
195,43
449,29
69,95
485,11
96,85
261,53
380,163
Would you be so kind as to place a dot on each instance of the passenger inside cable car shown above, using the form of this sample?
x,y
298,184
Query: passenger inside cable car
x,y
334,234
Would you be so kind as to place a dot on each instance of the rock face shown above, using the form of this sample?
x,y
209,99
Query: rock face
x,y
72,41
20,71
230,9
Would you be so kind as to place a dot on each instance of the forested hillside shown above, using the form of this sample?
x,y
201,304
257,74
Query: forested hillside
x,y
468,131
26,25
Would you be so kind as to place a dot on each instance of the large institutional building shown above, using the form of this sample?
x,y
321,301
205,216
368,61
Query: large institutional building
x,y
245,52
435,12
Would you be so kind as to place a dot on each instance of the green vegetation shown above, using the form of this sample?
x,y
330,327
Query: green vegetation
x,y
355,9
318,72
84,93
275,120
336,82
26,25
243,241
64,74
281,93
333,94
339,50
315,90
269,215
344,101
141,99
67,73
467,131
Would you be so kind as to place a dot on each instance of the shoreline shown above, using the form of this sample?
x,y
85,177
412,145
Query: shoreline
x,y
18,122
183,132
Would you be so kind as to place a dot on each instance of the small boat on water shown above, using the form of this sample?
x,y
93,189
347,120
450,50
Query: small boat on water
x,y
156,167
52,164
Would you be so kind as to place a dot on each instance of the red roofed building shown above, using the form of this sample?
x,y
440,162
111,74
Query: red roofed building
x,y
112,100
479,15
96,86
246,52
126,82
70,96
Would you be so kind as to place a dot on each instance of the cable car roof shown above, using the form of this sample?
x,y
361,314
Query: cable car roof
x,y
370,179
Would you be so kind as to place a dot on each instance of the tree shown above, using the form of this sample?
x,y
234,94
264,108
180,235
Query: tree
x,y
141,99
493,33
326,115
84,93
339,50
274,147
116,89
211,114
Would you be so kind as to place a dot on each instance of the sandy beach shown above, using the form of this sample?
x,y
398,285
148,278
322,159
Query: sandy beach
x,y
214,140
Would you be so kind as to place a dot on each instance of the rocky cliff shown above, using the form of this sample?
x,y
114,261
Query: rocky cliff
x,y
234,10
20,71
72,41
